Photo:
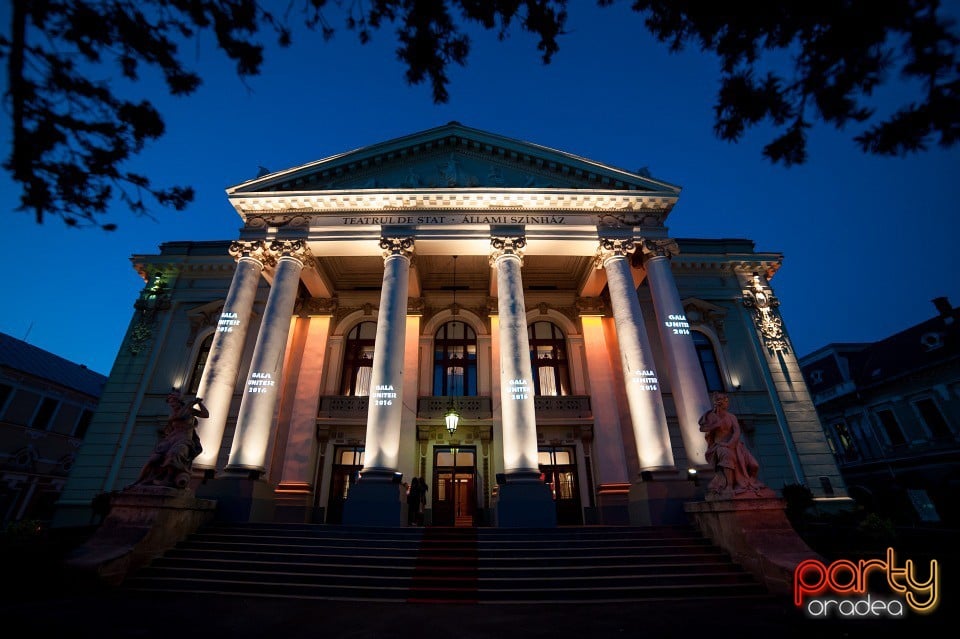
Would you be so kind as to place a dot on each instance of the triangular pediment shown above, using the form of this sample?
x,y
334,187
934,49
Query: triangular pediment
x,y
453,156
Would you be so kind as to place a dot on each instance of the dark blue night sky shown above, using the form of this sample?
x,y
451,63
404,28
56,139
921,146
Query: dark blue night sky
x,y
868,242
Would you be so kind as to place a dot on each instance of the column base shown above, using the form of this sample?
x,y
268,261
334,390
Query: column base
x,y
756,533
525,505
143,523
240,498
659,501
374,502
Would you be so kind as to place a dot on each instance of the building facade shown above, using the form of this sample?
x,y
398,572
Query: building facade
x,y
536,293
46,406
891,412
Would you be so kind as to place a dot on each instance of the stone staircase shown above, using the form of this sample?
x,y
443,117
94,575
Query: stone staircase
x,y
444,565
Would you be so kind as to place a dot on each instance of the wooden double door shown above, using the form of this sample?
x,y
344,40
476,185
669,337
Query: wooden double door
x,y
454,490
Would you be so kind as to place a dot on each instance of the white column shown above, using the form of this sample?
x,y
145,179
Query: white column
x,y
251,440
686,377
384,417
648,418
220,373
516,374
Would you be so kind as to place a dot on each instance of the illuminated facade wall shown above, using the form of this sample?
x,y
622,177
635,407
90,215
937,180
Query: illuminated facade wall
x,y
577,340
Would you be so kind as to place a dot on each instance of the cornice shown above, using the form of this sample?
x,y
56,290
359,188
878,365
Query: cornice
x,y
394,200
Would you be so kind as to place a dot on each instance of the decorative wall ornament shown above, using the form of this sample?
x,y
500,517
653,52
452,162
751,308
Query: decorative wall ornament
x,y
201,317
154,297
295,220
402,246
759,297
701,313
512,245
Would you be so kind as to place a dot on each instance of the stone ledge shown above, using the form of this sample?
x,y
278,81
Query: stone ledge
x,y
142,524
756,533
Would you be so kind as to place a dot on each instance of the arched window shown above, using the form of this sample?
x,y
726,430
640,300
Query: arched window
x,y
358,360
199,364
548,357
455,360
708,361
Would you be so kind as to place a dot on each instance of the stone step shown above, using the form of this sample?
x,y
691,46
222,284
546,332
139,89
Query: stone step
x,y
448,564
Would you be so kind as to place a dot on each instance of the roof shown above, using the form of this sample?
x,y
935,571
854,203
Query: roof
x,y
451,156
20,356
930,343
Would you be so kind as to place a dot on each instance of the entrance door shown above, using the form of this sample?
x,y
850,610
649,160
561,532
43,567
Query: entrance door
x,y
559,471
348,462
454,500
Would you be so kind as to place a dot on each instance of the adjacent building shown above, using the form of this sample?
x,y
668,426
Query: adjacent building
x,y
46,406
891,412
537,295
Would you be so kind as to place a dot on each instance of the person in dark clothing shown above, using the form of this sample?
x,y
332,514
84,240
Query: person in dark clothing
x,y
413,502
421,509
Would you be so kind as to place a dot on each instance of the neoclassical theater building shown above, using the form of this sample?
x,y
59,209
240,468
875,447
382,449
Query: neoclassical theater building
x,y
536,294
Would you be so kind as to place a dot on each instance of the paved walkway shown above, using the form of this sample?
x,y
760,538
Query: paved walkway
x,y
106,613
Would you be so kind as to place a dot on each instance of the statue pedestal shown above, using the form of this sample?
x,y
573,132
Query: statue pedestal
x,y
756,533
143,523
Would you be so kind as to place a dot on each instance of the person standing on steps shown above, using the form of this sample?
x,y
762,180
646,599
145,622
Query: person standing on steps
x,y
413,502
421,509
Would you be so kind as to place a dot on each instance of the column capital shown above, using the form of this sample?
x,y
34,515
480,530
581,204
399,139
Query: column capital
x,y
416,305
666,247
295,249
316,306
613,247
591,306
507,245
402,246
255,250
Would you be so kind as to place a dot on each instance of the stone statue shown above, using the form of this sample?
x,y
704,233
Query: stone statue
x,y
736,469
172,458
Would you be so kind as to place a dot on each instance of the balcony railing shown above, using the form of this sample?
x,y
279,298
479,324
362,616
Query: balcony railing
x,y
568,406
435,407
334,406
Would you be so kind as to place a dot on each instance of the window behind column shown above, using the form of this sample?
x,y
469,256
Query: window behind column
x,y
708,361
455,360
548,358
358,360
199,364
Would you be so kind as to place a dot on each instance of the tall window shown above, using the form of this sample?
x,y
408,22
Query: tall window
x,y
199,364
933,418
455,360
846,440
358,360
548,357
891,427
708,361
